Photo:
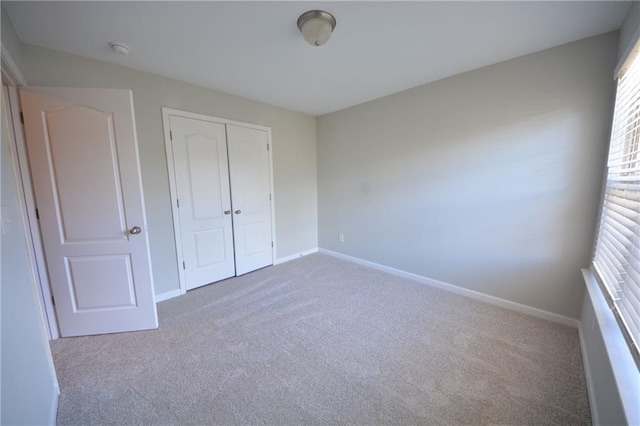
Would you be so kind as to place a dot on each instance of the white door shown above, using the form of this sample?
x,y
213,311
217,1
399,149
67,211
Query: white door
x,y
84,162
250,189
202,181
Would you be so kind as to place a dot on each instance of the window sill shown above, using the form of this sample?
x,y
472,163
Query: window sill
x,y
625,371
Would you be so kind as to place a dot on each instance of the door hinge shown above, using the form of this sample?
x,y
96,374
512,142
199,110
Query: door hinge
x,y
184,266
271,244
269,197
21,117
170,135
267,147
178,202
37,214
53,300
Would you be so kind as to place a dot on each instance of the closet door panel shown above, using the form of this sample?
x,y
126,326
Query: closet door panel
x,y
250,195
202,181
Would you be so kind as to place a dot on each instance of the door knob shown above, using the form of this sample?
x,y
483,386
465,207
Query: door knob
x,y
135,230
238,211
227,212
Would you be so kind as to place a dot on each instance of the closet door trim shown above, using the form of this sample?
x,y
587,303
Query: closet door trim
x,y
167,113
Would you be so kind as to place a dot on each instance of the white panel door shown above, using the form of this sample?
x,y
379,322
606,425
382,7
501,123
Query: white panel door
x,y
84,162
202,183
250,189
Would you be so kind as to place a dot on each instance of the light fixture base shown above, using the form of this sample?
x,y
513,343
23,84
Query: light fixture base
x,y
120,48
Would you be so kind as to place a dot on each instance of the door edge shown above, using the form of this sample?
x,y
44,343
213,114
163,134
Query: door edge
x,y
29,216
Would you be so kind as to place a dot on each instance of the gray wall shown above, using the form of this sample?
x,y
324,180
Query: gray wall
x,y
488,180
28,384
294,147
11,41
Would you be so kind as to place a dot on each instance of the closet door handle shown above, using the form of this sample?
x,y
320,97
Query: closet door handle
x,y
227,212
238,211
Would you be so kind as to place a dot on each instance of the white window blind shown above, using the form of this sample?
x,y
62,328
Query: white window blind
x,y
617,253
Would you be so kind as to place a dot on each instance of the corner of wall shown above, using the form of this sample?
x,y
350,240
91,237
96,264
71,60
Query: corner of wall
x,y
11,46
629,35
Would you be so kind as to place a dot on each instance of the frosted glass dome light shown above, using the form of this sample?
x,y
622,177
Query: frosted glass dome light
x,y
316,26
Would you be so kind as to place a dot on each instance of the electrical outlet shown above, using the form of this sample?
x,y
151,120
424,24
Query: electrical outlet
x,y
341,238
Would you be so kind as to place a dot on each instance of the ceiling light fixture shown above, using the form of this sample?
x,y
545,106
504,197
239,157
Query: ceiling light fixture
x,y
120,48
316,26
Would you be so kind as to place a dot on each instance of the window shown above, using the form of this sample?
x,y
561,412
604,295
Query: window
x,y
617,254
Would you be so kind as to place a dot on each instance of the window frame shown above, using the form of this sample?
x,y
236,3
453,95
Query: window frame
x,y
629,145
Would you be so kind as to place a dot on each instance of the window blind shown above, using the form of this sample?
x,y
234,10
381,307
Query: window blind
x,y
617,252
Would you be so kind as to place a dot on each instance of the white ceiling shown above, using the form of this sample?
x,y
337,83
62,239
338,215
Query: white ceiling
x,y
254,49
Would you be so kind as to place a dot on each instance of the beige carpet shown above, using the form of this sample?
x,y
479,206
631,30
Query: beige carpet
x,y
322,341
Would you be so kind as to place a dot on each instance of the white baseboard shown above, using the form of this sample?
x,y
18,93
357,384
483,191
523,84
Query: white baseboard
x,y
514,306
591,390
167,295
175,293
53,412
295,256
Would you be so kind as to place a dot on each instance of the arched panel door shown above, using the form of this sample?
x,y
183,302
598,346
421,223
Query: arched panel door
x,y
84,162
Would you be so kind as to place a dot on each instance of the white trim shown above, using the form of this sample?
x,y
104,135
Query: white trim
x,y
625,370
295,256
539,313
28,213
591,389
167,295
272,193
166,124
10,70
53,412
186,114
629,54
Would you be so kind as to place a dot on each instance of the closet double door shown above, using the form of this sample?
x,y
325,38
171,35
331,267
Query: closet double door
x,y
222,190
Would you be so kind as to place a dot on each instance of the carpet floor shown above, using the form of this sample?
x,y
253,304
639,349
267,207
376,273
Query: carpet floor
x,y
322,341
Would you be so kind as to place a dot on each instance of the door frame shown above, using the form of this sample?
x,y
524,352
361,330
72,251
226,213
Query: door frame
x,y
13,78
166,115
